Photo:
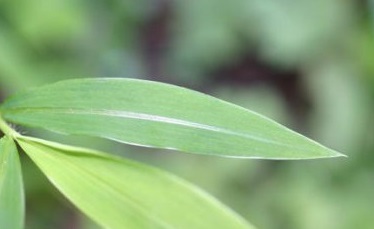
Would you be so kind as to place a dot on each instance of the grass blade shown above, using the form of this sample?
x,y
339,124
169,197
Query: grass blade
x,y
158,115
12,203
118,193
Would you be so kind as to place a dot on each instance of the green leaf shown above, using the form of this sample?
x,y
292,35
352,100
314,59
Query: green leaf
x,y
12,203
158,115
118,193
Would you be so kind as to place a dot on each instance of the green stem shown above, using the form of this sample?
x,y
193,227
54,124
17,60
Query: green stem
x,y
6,129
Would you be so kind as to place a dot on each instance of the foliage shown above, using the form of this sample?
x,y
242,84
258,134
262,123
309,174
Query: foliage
x,y
117,193
11,186
305,64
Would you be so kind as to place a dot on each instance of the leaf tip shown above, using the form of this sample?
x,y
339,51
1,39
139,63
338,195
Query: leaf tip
x,y
330,153
337,154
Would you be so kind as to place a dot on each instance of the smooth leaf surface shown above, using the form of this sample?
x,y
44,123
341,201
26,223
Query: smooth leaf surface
x,y
118,193
158,115
12,204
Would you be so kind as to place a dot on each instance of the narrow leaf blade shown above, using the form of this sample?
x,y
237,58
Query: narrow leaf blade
x,y
12,204
158,115
118,193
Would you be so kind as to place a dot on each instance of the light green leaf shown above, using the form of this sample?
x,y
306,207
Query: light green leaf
x,y
12,203
158,115
118,193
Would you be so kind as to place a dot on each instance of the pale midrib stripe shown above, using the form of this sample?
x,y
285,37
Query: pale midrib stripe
x,y
146,117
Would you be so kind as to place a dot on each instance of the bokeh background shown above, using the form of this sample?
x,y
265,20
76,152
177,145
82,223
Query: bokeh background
x,y
307,64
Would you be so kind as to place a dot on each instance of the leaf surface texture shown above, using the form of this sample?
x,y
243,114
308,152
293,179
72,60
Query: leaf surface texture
x,y
158,115
118,193
12,203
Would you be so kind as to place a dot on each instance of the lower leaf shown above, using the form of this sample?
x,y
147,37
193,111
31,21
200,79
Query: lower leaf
x,y
118,193
12,203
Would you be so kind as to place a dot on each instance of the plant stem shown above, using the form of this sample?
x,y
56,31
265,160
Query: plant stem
x,y
6,129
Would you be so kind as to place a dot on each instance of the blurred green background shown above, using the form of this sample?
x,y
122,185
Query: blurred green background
x,y
307,64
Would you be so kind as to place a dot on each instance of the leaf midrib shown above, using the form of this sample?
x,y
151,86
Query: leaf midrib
x,y
146,117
